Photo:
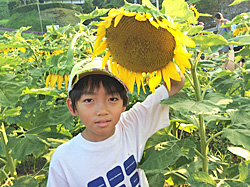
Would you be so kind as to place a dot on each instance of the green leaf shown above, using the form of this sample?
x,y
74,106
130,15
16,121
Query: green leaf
x,y
11,112
12,45
235,183
10,89
236,2
42,91
240,40
164,154
29,143
6,60
96,13
26,181
201,179
194,30
178,8
156,180
207,41
240,117
183,104
238,136
240,152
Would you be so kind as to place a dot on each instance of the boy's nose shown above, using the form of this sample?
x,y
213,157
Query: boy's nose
x,y
102,109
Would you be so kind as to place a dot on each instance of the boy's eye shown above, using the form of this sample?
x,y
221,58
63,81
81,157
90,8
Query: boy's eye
x,y
113,99
87,100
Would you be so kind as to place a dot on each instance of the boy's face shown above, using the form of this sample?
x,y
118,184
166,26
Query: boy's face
x,y
99,112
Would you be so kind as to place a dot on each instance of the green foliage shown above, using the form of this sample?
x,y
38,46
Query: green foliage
x,y
208,118
88,6
44,6
4,10
16,3
56,16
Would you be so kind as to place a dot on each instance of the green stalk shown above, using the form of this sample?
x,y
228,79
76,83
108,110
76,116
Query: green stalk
x,y
175,132
10,161
201,125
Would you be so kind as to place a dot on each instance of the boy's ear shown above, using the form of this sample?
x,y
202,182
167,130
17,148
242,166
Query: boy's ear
x,y
124,108
70,107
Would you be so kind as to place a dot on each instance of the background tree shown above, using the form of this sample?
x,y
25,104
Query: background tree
x,y
4,11
88,6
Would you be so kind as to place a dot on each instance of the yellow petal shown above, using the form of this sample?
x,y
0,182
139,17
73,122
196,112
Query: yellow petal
x,y
166,78
113,67
120,71
140,17
129,14
131,80
172,71
117,19
181,57
156,25
98,41
138,79
100,49
154,80
105,58
107,22
162,24
101,30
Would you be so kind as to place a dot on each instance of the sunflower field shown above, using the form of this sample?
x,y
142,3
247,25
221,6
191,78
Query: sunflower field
x,y
208,140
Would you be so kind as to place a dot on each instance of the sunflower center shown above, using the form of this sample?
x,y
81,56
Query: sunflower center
x,y
139,46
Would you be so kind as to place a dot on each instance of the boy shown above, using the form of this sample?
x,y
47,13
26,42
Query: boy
x,y
106,153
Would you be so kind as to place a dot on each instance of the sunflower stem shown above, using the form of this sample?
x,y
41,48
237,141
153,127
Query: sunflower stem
x,y
201,124
10,161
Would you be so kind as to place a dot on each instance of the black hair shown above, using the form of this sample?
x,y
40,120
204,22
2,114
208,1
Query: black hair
x,y
218,15
91,82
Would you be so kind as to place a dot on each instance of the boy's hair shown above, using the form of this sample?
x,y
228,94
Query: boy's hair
x,y
91,82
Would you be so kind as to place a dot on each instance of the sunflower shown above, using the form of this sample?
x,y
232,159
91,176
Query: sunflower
x,y
196,13
142,43
242,28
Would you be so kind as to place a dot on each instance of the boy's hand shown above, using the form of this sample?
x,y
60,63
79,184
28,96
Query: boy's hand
x,y
176,86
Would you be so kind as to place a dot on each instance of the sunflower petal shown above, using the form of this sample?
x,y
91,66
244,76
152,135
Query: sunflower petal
x,y
101,48
140,17
172,71
181,57
108,22
113,67
98,41
105,58
154,81
131,82
138,79
117,19
129,14
166,78
155,24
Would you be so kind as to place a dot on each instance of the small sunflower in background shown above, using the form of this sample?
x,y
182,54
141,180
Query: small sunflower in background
x,y
242,28
196,13
57,78
142,43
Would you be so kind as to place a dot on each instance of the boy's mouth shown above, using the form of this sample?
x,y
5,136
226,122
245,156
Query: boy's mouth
x,y
103,123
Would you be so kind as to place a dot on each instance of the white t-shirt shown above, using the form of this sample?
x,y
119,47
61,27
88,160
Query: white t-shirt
x,y
112,162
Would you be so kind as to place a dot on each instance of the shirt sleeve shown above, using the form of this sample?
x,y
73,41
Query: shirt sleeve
x,y
145,118
55,177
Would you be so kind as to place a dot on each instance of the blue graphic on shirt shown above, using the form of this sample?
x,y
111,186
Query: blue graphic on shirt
x,y
99,182
134,179
115,176
130,165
